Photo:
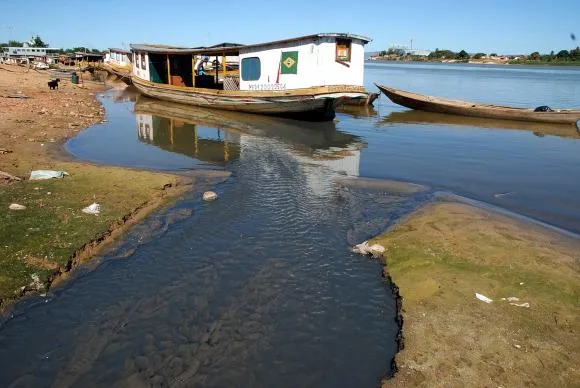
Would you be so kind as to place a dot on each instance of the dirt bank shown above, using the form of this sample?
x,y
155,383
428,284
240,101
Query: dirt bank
x,y
42,242
444,254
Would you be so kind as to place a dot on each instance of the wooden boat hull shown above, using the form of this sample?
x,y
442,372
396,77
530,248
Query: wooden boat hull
x,y
317,103
367,100
122,73
472,109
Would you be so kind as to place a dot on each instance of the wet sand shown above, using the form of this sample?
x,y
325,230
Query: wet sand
x,y
445,253
51,235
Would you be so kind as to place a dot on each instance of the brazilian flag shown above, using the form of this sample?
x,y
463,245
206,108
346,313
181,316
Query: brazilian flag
x,y
289,62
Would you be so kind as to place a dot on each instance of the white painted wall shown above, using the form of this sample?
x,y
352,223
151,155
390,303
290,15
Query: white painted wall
x,y
117,58
316,65
137,70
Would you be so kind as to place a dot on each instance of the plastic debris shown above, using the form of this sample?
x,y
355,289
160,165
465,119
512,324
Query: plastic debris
x,y
94,208
15,206
483,298
511,299
525,304
46,174
376,250
210,196
36,284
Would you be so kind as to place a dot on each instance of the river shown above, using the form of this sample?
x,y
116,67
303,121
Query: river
x,y
260,288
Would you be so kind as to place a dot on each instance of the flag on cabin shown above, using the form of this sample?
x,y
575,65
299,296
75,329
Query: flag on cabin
x,y
289,63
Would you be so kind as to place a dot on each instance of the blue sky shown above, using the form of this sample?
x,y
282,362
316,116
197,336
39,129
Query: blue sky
x,y
507,26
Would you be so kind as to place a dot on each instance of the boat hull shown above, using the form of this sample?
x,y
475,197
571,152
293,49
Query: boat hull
x,y
122,73
316,104
472,109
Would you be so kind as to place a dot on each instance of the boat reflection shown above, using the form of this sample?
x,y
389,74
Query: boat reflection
x,y
421,117
126,94
358,111
216,136
208,145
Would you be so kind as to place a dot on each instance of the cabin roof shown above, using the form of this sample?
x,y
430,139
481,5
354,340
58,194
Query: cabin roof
x,y
118,50
234,48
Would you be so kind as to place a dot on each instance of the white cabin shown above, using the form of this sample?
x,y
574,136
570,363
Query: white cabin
x,y
119,57
324,59
317,60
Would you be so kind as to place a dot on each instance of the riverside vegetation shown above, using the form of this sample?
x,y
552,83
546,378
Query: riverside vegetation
x,y
52,234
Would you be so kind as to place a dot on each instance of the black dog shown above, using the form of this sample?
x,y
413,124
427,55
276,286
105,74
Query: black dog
x,y
53,84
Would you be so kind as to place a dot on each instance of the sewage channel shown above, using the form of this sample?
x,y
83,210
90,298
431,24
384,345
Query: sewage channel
x,y
256,289
259,288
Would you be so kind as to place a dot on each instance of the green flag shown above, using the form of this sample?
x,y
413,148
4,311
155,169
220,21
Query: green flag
x,y
289,64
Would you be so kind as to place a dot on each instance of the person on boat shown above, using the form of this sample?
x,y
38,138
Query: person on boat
x,y
200,66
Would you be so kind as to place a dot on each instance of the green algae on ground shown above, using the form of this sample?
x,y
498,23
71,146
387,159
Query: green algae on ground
x,y
41,240
445,253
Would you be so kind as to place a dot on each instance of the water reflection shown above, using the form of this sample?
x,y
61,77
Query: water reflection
x,y
220,136
429,118
212,145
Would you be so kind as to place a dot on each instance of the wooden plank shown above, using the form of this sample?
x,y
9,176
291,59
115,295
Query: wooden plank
x,y
168,71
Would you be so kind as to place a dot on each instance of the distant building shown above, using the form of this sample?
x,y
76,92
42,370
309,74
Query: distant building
x,y
419,53
39,54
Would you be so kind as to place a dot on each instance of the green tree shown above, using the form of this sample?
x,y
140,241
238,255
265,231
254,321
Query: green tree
x,y
535,56
441,54
563,54
575,54
479,56
36,41
15,43
493,55
462,55
95,51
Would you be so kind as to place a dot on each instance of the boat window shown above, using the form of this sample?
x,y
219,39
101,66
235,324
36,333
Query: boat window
x,y
143,63
251,70
343,50
138,60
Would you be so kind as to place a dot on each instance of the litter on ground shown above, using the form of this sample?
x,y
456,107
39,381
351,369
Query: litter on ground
x,y
525,304
376,250
46,174
15,206
483,298
94,208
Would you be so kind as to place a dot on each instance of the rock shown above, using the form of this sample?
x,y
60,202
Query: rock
x,y
15,206
210,196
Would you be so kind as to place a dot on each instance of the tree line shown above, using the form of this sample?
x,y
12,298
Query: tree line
x,y
572,55
37,41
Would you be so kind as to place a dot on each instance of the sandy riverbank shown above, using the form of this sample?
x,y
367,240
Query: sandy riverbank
x,y
444,254
42,242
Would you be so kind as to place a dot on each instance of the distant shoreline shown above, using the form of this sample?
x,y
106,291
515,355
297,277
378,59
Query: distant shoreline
x,y
477,62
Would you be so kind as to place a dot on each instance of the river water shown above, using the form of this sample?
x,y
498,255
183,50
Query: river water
x,y
259,288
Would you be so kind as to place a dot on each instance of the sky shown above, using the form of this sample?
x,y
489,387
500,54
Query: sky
x,y
503,27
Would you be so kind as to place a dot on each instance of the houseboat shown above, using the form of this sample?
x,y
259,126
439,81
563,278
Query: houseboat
x,y
119,62
304,77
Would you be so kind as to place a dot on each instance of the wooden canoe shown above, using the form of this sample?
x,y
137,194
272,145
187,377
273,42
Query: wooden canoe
x,y
473,109
316,103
